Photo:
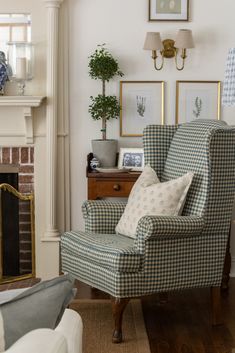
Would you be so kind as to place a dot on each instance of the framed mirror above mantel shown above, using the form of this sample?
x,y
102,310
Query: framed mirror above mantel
x,y
16,52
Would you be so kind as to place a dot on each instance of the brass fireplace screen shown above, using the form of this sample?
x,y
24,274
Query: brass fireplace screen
x,y
17,235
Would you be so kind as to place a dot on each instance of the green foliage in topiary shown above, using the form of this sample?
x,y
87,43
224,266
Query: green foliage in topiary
x,y
107,106
102,66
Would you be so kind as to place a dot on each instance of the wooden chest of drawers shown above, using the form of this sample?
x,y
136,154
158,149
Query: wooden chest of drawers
x,y
109,184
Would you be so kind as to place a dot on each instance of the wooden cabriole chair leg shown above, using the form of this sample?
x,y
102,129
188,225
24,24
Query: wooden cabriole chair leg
x,y
216,306
118,306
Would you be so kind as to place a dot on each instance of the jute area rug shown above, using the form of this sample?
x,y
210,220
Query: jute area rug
x,y
98,327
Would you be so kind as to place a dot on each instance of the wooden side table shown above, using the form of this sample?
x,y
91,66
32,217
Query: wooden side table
x,y
109,184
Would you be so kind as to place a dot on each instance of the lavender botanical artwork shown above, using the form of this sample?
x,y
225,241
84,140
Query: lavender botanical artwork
x,y
198,107
197,100
141,105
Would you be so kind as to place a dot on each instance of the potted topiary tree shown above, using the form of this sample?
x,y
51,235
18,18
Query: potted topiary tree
x,y
102,66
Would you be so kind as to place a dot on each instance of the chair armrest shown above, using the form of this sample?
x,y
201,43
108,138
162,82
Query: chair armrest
x,y
38,341
71,328
169,226
102,216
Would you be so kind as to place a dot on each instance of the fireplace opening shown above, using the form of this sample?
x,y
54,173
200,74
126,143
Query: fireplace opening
x,y
10,225
17,233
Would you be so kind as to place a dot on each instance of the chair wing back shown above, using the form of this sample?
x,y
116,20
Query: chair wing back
x,y
207,148
156,141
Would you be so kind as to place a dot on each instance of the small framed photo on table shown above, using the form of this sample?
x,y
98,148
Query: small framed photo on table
x,y
142,104
131,158
168,10
197,100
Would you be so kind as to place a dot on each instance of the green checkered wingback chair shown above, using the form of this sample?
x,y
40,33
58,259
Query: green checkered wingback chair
x,y
169,253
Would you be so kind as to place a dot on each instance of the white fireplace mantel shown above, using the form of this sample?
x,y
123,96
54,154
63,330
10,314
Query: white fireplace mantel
x,y
27,103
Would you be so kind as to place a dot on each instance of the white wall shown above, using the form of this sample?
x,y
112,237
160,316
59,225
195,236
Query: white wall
x,y
122,25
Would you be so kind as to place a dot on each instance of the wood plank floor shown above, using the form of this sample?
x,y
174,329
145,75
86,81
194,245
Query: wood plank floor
x,y
182,324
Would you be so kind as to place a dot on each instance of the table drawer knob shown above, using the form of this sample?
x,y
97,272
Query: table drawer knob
x,y
116,187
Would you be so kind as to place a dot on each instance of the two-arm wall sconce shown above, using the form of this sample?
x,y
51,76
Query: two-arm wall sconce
x,y
168,47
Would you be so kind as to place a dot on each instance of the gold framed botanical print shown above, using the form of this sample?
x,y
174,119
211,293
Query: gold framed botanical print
x,y
142,104
168,10
197,100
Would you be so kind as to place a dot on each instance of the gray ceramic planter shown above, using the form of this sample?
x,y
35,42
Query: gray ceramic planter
x,y
105,151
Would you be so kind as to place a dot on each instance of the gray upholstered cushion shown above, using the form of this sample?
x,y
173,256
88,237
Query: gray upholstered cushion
x,y
38,307
113,251
7,295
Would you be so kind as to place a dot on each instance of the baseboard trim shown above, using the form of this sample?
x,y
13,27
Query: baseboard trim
x,y
232,272
49,239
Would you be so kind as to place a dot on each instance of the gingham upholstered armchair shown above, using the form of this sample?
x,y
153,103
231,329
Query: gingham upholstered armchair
x,y
169,253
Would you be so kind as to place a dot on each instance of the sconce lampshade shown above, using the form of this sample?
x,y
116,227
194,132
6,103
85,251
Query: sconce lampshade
x,y
153,41
184,39
228,96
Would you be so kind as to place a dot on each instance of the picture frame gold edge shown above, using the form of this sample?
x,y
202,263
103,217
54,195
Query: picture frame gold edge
x,y
150,11
170,20
188,10
132,135
162,82
198,81
141,81
177,103
120,101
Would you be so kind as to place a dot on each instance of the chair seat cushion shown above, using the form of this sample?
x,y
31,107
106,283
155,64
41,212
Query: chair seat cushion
x,y
113,251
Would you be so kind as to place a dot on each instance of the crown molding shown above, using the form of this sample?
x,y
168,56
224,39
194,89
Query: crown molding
x,y
21,101
53,3
27,103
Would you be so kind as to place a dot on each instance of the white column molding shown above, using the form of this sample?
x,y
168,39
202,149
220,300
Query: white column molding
x,y
63,160
52,111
